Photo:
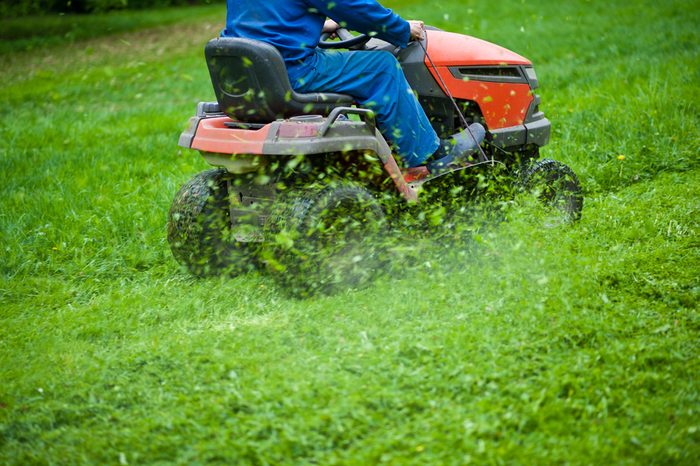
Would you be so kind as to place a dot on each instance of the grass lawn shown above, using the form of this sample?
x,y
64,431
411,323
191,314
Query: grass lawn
x,y
512,345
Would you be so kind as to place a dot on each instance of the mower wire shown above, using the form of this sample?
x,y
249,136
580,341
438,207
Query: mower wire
x,y
482,154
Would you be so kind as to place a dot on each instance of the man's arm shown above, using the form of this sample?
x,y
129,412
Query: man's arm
x,y
417,28
368,16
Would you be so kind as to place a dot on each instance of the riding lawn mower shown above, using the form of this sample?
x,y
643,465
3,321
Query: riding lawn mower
x,y
305,184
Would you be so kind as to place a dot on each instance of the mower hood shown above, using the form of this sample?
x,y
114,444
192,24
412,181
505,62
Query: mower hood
x,y
450,49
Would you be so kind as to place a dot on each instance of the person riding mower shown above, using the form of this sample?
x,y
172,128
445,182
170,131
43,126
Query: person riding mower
x,y
305,138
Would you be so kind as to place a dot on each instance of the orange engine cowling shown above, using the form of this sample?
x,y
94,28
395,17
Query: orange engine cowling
x,y
491,76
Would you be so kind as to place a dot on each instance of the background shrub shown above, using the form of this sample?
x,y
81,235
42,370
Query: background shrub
x,y
14,8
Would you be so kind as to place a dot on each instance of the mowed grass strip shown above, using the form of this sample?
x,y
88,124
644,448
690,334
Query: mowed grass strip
x,y
503,342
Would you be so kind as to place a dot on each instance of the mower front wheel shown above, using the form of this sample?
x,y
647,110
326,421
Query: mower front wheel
x,y
557,187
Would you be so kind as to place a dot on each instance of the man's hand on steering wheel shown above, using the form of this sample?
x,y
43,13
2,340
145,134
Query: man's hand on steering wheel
x,y
417,30
329,27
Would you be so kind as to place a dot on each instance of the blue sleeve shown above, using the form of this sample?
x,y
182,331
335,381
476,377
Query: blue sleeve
x,y
366,16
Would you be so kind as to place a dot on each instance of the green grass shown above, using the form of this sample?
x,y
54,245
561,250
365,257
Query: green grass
x,y
511,345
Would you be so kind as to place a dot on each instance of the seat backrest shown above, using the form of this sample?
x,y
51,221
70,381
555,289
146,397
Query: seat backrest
x,y
249,78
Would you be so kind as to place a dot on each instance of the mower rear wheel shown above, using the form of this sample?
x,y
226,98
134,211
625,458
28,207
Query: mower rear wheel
x,y
557,187
199,228
325,239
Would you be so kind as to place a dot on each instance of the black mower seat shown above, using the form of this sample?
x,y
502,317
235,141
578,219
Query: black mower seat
x,y
251,83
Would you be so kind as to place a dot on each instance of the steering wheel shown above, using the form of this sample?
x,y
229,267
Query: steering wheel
x,y
346,41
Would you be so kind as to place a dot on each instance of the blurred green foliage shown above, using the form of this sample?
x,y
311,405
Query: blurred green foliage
x,y
15,8
28,33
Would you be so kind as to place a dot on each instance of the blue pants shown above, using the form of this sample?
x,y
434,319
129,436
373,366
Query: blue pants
x,y
377,82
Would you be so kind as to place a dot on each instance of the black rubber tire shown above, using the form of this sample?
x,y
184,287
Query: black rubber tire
x,y
325,239
199,228
556,186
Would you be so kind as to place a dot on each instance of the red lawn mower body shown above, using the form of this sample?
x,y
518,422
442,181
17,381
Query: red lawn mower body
x,y
491,84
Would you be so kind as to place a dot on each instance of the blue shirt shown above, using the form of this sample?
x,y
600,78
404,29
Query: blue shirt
x,y
294,26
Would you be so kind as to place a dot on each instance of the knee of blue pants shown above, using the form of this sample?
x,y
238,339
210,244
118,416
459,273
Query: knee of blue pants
x,y
388,62
385,57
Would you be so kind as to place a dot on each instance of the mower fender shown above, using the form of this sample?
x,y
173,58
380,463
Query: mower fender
x,y
310,136
204,109
243,150
304,136
213,135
